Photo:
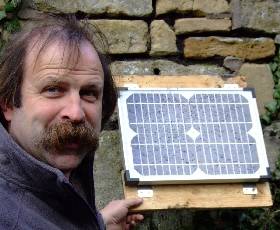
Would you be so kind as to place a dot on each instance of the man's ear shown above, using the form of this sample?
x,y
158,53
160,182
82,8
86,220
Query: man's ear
x,y
7,111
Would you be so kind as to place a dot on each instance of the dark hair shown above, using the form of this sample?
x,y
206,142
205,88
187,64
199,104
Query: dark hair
x,y
72,33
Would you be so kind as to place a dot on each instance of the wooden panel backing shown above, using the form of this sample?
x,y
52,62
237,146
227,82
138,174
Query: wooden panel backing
x,y
228,195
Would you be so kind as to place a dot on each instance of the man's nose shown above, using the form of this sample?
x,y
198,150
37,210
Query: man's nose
x,y
73,109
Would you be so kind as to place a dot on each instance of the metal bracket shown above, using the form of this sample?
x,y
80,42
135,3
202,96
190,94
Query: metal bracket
x,y
250,189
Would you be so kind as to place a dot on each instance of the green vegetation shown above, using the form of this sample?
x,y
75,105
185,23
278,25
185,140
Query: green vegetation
x,y
8,19
273,108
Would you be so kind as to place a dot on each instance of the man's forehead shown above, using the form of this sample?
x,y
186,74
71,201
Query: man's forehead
x,y
51,52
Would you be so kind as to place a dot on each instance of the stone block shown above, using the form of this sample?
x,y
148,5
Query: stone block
x,y
277,39
163,39
272,143
204,7
112,7
233,63
167,6
193,25
163,67
261,15
2,4
107,169
259,77
245,48
124,36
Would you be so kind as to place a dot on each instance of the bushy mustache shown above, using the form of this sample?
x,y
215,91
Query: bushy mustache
x,y
60,134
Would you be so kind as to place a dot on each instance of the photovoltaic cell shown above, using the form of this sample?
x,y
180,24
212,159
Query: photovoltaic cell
x,y
175,136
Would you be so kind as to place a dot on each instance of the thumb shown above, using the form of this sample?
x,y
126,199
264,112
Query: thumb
x,y
133,202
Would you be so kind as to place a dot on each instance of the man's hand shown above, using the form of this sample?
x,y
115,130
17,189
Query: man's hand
x,y
115,214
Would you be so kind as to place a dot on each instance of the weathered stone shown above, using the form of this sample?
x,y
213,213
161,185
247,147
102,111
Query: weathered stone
x,y
2,4
236,14
111,7
272,143
124,36
190,25
204,7
246,48
233,63
259,77
277,39
166,6
163,67
107,169
261,15
163,39
28,13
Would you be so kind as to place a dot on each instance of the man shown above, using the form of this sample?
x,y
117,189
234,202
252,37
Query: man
x,y
56,94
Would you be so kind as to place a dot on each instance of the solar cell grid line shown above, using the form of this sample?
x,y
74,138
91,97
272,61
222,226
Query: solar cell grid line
x,y
136,119
178,131
144,138
163,124
199,125
231,155
203,134
148,122
215,137
220,145
172,143
159,141
246,135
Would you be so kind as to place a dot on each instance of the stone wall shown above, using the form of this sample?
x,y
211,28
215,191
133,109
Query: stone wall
x,y
174,37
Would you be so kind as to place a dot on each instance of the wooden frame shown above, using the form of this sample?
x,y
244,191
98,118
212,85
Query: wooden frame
x,y
228,195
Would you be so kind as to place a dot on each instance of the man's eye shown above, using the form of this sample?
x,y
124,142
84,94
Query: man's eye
x,y
89,95
53,91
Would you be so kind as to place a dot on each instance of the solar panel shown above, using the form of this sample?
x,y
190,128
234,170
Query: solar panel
x,y
191,136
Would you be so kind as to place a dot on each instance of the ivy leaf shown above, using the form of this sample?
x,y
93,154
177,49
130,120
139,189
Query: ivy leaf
x,y
276,93
271,106
277,73
265,118
9,7
273,66
2,14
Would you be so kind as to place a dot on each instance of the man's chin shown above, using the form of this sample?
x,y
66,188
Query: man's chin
x,y
67,161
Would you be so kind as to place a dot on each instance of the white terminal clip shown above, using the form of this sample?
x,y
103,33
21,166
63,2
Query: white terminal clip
x,y
250,189
145,192
231,86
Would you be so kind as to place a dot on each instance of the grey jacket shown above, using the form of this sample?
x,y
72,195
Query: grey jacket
x,y
34,195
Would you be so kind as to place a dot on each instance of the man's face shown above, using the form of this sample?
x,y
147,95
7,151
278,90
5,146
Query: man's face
x,y
61,105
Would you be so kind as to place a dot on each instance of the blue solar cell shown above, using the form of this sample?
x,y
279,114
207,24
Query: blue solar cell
x,y
183,99
233,114
170,98
201,112
243,99
205,98
163,98
159,169
224,98
150,98
186,113
231,98
194,113
218,98
176,98
198,98
156,98
237,98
